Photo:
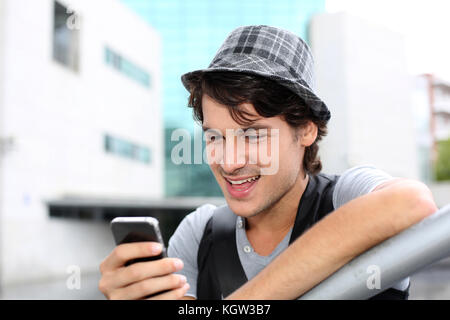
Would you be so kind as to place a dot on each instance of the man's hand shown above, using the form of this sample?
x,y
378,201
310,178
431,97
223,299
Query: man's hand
x,y
139,280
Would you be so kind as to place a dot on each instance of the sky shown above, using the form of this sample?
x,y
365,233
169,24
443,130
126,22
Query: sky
x,y
424,23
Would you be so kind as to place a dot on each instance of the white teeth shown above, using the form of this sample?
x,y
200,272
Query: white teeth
x,y
243,181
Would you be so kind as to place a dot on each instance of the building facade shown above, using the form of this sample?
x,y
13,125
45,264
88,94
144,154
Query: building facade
x,y
362,76
438,105
81,118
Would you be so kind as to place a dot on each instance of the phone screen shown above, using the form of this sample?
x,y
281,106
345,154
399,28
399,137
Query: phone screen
x,y
140,229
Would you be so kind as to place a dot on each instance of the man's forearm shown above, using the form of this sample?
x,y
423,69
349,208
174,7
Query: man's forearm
x,y
338,238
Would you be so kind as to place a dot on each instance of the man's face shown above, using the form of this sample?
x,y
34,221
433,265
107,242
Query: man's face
x,y
266,151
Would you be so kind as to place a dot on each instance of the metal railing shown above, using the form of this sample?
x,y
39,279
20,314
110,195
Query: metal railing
x,y
395,258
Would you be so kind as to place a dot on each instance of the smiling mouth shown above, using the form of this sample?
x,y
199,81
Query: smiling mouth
x,y
244,184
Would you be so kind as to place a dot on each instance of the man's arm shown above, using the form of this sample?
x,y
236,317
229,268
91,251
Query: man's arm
x,y
339,237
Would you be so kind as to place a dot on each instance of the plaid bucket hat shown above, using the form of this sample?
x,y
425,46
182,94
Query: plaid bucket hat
x,y
274,53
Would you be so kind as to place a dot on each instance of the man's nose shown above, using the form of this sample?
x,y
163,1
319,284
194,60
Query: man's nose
x,y
234,156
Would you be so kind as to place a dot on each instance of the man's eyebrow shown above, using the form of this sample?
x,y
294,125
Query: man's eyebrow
x,y
257,127
254,127
205,128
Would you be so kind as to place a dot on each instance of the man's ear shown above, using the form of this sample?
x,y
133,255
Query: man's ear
x,y
308,134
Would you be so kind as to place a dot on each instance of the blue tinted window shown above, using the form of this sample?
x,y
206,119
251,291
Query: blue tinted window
x,y
127,149
126,67
65,37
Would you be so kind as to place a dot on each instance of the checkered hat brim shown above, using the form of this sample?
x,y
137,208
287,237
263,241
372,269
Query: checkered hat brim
x,y
273,53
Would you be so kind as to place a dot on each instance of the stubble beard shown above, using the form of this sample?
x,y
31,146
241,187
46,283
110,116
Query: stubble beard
x,y
273,198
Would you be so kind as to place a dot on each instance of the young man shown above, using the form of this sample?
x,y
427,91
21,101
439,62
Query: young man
x,y
286,226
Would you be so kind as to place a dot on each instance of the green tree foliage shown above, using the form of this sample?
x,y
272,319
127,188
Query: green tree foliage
x,y
442,168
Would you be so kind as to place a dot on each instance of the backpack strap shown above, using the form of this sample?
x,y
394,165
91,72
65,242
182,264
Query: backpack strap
x,y
315,203
230,273
392,294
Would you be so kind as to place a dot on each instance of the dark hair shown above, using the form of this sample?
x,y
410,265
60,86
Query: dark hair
x,y
268,97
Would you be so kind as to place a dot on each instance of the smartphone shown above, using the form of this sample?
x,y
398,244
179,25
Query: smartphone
x,y
137,229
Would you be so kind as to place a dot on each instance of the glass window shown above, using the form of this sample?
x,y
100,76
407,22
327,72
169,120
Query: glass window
x,y
126,67
65,36
127,149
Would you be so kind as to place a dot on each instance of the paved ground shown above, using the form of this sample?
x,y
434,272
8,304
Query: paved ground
x,y
432,283
429,284
55,290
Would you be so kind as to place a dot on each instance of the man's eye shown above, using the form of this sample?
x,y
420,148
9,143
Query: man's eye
x,y
253,138
213,138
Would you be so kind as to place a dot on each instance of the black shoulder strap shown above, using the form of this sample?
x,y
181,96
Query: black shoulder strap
x,y
315,203
230,272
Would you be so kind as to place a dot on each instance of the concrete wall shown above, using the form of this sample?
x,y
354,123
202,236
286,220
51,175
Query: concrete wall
x,y
58,119
441,193
361,75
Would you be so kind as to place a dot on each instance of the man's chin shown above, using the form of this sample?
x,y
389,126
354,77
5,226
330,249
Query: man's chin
x,y
242,208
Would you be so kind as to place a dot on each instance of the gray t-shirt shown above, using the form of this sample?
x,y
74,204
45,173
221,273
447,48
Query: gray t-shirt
x,y
184,243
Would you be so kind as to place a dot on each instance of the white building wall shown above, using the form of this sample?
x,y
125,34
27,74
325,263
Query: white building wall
x,y
58,119
442,109
361,75
421,108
